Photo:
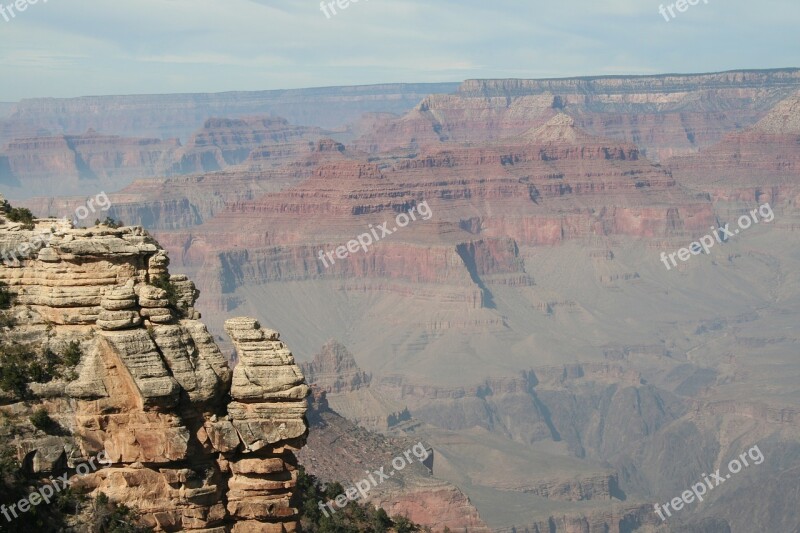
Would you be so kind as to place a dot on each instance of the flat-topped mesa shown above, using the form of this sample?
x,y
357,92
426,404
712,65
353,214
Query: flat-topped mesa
x,y
151,387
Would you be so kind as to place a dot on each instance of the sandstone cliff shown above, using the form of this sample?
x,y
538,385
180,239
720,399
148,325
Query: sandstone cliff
x,y
193,445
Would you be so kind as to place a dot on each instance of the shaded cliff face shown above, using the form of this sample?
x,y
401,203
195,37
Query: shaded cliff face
x,y
191,444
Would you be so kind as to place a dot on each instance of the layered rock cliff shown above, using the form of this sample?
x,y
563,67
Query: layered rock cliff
x,y
192,444
66,164
664,115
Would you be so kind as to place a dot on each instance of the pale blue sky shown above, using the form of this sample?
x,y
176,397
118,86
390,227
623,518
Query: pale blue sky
x,y
86,47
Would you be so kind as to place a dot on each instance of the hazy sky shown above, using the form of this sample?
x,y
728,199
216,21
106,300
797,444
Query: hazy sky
x,y
87,47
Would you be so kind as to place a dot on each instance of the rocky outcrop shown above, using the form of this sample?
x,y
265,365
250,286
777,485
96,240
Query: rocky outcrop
x,y
191,444
334,369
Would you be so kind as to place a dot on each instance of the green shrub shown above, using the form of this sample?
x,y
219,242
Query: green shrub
x,y
41,420
355,517
110,517
404,525
72,354
22,215
17,214
21,365
110,222
6,298
17,369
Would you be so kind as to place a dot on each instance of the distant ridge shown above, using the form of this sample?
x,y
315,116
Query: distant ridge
x,y
621,84
178,115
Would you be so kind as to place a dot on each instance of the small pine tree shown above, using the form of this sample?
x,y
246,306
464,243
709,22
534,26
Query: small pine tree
x,y
72,354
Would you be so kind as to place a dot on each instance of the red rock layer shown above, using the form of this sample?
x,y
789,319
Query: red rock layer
x,y
553,184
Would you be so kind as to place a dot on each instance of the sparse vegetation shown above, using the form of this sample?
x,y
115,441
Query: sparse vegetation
x,y
110,517
110,222
14,486
355,517
22,215
17,368
6,298
21,365
72,354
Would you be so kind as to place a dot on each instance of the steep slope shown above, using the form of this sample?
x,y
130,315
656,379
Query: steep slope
x,y
338,450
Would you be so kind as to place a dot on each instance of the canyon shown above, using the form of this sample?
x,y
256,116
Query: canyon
x,y
527,332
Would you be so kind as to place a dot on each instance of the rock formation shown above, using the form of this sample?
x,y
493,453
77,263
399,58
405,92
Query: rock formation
x,y
334,369
665,115
193,445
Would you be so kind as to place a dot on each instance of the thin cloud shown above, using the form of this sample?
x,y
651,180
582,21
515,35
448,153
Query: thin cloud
x,y
156,46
